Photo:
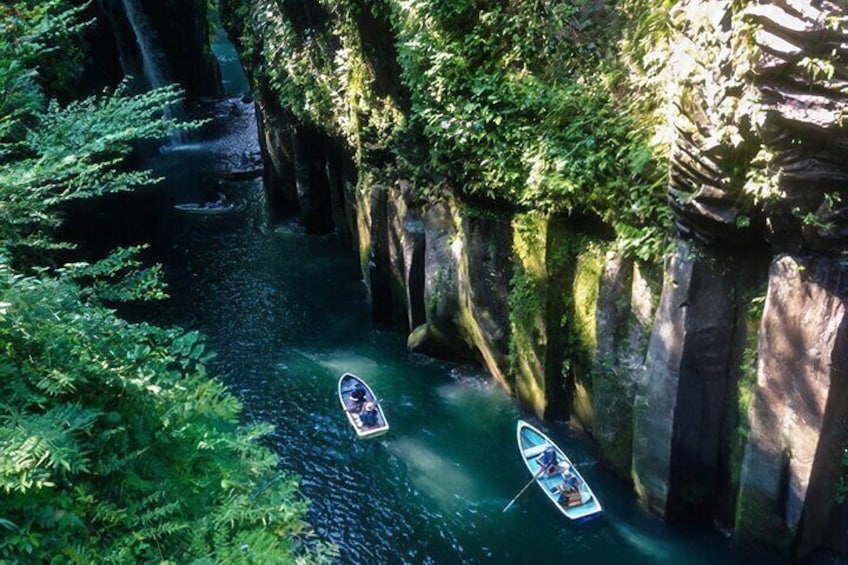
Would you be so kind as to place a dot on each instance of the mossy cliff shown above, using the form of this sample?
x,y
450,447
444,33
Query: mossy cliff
x,y
588,198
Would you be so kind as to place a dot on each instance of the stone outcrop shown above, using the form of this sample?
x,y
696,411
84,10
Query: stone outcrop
x,y
798,431
687,392
624,317
171,35
776,112
466,286
182,29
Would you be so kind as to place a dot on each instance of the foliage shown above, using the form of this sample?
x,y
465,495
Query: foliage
x,y
116,446
521,103
71,153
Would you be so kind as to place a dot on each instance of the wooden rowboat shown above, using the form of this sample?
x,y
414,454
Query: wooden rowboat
x,y
580,504
205,209
348,383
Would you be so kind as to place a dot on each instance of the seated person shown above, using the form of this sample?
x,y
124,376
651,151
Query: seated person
x,y
572,483
549,461
357,398
569,490
368,415
568,496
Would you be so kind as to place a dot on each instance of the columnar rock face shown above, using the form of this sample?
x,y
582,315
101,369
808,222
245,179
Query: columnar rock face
x,y
624,316
802,362
276,139
466,287
441,278
182,27
758,156
683,402
389,264
169,35
486,272
801,76
410,249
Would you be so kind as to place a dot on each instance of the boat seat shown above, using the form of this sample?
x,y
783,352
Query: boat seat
x,y
535,450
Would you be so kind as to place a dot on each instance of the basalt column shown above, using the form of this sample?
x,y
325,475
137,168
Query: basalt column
x,y
682,404
797,434
798,419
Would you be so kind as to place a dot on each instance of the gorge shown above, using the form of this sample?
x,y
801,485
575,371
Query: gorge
x,y
632,215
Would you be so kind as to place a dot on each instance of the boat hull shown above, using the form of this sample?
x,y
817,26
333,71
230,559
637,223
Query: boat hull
x,y
346,384
531,443
205,209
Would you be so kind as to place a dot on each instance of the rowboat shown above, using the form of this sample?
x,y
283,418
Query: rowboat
x,y
355,411
206,208
578,503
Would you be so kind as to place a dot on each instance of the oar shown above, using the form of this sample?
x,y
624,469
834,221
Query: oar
x,y
511,502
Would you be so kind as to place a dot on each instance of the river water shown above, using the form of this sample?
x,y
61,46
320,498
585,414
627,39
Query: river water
x,y
286,314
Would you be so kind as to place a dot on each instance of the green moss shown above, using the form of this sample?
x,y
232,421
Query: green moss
x,y
527,302
590,267
758,519
747,382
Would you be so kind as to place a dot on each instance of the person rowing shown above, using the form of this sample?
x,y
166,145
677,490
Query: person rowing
x,y
549,461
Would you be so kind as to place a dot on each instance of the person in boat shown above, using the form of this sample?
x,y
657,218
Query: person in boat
x,y
569,490
572,483
549,461
220,200
368,415
357,398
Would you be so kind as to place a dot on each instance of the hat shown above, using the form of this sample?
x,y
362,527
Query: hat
x,y
369,405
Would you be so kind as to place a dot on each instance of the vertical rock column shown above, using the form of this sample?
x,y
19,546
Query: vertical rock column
x,y
527,311
485,273
802,334
624,313
548,350
466,288
680,407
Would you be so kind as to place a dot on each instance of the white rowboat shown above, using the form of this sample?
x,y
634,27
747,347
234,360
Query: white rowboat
x,y
347,384
206,209
580,505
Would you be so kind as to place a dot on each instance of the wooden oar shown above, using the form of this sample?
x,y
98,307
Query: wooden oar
x,y
511,502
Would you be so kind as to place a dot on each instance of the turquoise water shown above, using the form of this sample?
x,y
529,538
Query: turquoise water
x,y
286,314
233,79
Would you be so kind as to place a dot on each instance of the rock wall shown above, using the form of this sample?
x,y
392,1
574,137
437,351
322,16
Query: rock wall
x,y
466,287
686,396
741,178
178,32
798,419
627,299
